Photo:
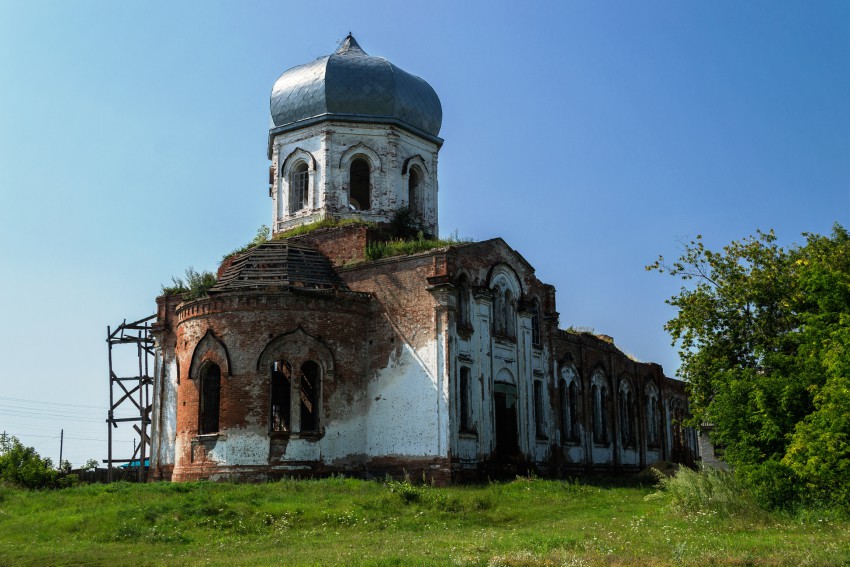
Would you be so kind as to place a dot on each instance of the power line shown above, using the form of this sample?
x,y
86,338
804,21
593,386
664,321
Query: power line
x,y
42,402
51,417
19,435
49,411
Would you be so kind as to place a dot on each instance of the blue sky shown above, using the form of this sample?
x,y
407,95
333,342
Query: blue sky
x,y
592,136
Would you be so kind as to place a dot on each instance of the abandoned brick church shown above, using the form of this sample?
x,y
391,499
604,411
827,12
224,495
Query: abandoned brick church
x,y
309,358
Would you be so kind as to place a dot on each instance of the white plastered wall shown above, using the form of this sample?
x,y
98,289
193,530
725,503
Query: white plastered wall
x,y
334,145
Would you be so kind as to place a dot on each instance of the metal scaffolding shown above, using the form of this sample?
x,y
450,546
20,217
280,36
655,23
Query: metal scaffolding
x,y
131,391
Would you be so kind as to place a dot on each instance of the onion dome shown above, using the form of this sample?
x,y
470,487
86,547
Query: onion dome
x,y
353,86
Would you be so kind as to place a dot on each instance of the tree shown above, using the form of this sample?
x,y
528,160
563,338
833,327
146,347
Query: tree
x,y
764,338
24,467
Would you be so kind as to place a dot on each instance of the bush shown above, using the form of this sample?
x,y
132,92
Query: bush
x,y
707,491
22,466
197,284
773,486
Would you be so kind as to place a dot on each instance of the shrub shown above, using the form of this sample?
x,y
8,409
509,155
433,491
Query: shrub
x,y
405,226
707,491
773,485
22,466
196,285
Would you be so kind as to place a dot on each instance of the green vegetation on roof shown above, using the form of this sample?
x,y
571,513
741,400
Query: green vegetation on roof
x,y
320,224
399,247
196,284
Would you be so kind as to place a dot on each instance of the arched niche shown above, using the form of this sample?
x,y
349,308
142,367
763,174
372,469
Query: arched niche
x,y
209,348
297,347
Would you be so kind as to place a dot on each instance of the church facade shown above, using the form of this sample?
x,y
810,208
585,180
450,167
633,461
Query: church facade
x,y
308,358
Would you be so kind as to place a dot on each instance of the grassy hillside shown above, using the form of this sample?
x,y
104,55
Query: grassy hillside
x,y
350,522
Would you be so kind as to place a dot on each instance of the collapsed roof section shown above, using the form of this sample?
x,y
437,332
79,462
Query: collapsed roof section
x,y
278,264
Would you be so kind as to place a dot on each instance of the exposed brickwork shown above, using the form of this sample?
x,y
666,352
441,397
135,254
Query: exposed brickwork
x,y
443,365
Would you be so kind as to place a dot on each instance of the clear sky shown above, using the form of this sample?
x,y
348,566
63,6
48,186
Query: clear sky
x,y
591,136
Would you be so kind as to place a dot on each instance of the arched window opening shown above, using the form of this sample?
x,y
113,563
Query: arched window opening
x,y
653,418
572,393
499,311
309,394
299,188
563,398
281,388
568,394
359,185
209,399
414,191
510,314
535,323
463,303
628,435
539,424
600,414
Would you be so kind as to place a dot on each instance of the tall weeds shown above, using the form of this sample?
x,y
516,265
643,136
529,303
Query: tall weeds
x,y
707,491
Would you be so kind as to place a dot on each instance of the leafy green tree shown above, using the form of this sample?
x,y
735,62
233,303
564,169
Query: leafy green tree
x,y
24,467
764,338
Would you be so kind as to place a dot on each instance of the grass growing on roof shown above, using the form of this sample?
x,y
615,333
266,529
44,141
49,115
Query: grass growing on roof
x,y
320,224
399,247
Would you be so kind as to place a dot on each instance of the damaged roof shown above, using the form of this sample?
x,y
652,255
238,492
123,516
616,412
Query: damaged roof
x,y
280,264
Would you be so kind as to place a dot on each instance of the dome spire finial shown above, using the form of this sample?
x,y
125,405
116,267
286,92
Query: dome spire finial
x,y
349,44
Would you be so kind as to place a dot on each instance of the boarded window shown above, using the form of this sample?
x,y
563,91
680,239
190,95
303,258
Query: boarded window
x,y
210,398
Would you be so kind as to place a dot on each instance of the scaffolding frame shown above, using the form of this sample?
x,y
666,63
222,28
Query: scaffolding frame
x,y
133,391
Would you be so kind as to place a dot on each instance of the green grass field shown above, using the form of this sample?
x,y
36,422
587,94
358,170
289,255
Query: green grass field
x,y
350,522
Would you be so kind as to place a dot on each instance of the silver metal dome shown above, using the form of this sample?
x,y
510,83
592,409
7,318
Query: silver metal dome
x,y
352,85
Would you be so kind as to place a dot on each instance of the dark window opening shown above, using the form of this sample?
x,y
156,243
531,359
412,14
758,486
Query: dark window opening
x,y
463,303
299,188
280,389
499,315
309,393
510,315
535,324
653,415
569,411
600,415
628,435
465,418
414,193
572,393
209,402
539,427
566,433
359,182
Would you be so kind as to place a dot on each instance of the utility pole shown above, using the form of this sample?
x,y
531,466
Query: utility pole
x,y
61,443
